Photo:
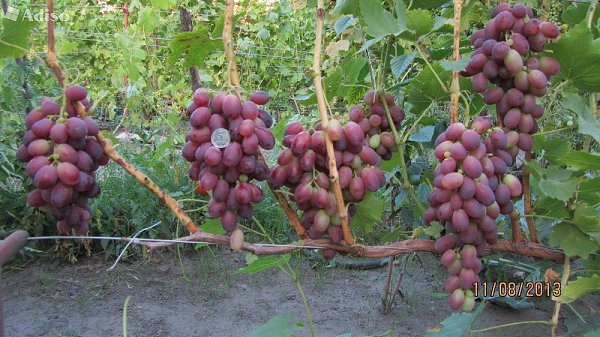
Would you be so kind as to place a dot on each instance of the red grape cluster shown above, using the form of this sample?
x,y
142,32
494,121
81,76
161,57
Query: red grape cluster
x,y
62,154
505,56
375,124
359,147
223,146
472,188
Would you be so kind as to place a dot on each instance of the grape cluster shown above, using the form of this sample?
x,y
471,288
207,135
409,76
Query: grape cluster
x,y
228,171
472,188
62,154
304,167
505,56
374,122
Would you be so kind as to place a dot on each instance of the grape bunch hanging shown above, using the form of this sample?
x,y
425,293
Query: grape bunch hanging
x,y
359,145
506,56
227,169
62,154
472,188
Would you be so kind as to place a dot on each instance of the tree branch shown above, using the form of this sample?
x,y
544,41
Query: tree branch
x,y
527,206
234,78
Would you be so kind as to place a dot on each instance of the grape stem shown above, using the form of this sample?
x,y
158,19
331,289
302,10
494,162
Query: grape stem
x,y
516,226
563,281
51,60
234,78
322,106
455,85
509,325
527,206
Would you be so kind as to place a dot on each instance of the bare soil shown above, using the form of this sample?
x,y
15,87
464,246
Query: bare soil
x,y
204,296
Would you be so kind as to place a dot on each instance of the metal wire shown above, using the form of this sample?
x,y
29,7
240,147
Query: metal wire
x,y
174,241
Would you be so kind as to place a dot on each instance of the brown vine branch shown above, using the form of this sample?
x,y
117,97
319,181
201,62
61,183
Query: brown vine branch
x,y
234,78
51,60
455,85
530,249
516,226
322,106
527,204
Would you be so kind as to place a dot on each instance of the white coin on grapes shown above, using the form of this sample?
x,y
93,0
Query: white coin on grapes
x,y
220,138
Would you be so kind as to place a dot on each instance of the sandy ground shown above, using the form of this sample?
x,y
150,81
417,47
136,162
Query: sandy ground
x,y
51,297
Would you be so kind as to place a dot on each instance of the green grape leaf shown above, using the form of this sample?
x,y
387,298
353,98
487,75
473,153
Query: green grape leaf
x,y
424,88
378,21
429,4
163,4
587,219
418,23
193,47
148,19
212,226
264,263
581,160
343,23
344,7
434,229
457,324
571,240
423,135
587,123
581,68
561,190
459,65
554,149
368,212
577,288
574,14
15,33
282,325
589,192
399,64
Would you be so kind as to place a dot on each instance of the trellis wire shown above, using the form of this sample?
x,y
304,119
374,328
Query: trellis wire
x,y
175,241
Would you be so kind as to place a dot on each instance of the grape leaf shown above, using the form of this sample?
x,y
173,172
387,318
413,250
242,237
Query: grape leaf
x,y
368,212
343,23
193,47
581,68
423,135
561,190
589,192
347,7
457,324
571,240
15,33
418,24
399,64
148,19
581,160
459,65
428,4
379,22
163,4
279,326
586,121
577,288
425,88
212,226
587,219
264,263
